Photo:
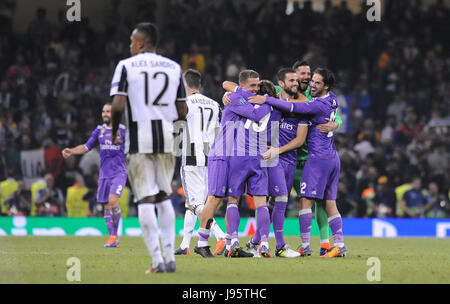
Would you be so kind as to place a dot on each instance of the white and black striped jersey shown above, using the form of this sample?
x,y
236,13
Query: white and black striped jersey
x,y
153,84
202,121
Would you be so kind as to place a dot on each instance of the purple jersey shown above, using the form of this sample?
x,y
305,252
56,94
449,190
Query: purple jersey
x,y
233,138
288,131
253,128
320,144
112,157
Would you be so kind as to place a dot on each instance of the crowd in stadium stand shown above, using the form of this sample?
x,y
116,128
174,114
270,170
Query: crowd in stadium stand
x,y
393,78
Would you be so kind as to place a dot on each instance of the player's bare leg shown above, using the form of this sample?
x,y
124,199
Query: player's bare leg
x,y
190,219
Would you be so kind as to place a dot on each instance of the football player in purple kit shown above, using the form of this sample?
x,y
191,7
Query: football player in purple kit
x,y
220,165
292,135
321,174
113,171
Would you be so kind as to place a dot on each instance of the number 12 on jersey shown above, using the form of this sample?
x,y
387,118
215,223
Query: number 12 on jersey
x,y
157,75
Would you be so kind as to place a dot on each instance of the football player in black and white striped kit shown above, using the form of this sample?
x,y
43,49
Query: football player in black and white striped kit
x,y
150,90
198,136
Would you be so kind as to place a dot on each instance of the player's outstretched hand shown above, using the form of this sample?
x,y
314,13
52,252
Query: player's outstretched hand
x,y
271,153
258,99
328,127
66,153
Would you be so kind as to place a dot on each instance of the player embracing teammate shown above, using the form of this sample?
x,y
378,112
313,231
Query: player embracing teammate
x,y
321,173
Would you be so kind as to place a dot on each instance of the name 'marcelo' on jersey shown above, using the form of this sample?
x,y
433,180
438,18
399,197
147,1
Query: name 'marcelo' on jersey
x,y
202,121
152,84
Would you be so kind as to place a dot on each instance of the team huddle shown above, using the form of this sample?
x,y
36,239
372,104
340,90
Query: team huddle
x,y
267,139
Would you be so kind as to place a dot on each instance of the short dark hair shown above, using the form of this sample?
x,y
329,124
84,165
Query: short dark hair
x,y
281,74
300,63
150,31
246,74
267,87
328,77
193,78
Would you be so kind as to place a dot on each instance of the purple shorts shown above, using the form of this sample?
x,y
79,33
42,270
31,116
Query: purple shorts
x,y
247,170
281,179
320,178
113,185
217,176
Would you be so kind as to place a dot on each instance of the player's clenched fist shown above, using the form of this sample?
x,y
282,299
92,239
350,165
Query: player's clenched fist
x,y
66,152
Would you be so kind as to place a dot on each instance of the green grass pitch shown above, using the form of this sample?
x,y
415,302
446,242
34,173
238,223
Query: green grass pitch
x,y
34,260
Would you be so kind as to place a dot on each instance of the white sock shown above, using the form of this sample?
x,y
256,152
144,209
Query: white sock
x,y
189,223
166,215
149,226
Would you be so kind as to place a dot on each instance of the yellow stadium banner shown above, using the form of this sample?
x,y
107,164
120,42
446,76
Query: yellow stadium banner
x,y
7,187
76,206
123,202
35,187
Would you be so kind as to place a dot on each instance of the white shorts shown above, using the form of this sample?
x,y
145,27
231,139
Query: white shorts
x,y
195,184
150,173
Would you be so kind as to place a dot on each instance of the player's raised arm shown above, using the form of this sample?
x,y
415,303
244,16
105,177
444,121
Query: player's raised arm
x,y
247,110
81,149
229,86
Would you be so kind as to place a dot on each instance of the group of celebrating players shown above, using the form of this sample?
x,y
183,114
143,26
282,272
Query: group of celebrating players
x,y
267,139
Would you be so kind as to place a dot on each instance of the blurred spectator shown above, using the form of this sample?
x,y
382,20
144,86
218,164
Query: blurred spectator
x,y
413,201
437,205
65,123
70,172
177,198
387,134
42,123
408,129
194,59
5,96
369,133
50,200
19,203
385,200
347,205
18,73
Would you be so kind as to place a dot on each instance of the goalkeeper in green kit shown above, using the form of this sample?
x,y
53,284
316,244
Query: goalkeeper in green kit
x,y
303,71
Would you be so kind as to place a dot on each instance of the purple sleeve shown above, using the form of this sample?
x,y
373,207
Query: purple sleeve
x,y
240,106
295,107
249,111
93,139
